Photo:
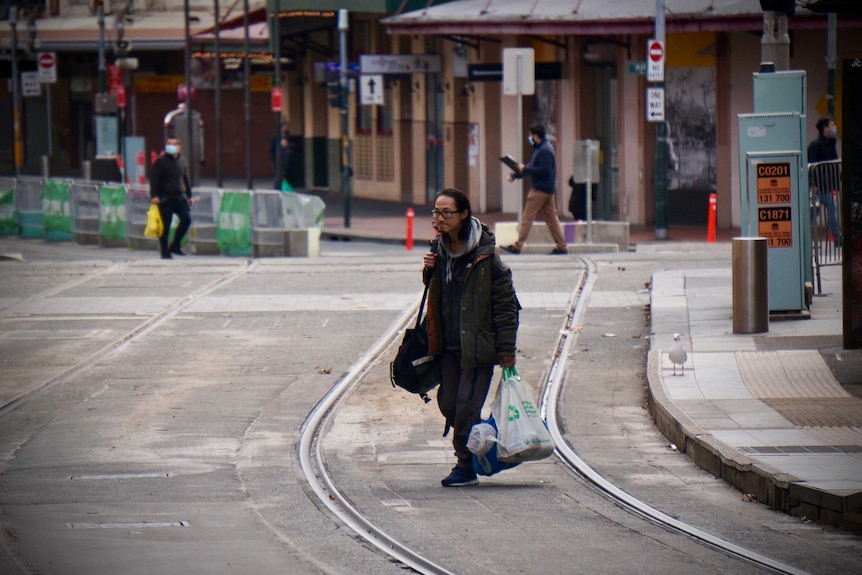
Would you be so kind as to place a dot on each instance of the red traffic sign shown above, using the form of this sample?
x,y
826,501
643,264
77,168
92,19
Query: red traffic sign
x,y
656,51
46,60
655,61
47,67
275,100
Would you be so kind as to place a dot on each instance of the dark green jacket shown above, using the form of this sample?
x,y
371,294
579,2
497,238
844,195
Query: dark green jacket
x,y
489,307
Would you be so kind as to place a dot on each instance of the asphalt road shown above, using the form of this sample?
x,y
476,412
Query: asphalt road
x,y
164,436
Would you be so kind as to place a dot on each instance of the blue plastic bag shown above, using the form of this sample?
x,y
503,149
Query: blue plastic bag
x,y
487,463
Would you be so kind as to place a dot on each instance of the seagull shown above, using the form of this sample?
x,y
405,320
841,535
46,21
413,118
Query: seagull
x,y
677,354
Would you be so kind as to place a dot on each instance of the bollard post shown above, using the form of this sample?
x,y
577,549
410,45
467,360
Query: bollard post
x,y
46,167
410,216
750,285
710,229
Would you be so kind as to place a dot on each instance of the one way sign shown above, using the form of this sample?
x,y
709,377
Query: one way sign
x,y
655,105
371,90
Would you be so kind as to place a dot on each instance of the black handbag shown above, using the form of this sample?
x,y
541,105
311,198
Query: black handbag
x,y
413,369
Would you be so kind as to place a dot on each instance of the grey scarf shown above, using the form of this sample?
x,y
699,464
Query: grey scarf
x,y
474,232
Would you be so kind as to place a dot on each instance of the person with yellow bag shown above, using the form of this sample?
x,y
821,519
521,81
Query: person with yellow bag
x,y
171,191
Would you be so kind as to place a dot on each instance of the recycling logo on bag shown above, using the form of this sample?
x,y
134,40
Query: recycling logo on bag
x,y
513,413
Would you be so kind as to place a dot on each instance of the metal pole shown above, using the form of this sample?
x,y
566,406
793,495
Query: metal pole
x,y
830,63
343,26
660,146
103,73
589,154
520,120
188,107
16,112
247,92
276,68
218,91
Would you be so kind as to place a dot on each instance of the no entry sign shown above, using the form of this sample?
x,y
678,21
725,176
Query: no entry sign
x,y
655,61
47,67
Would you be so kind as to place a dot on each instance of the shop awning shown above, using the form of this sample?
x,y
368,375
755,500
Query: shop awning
x,y
587,17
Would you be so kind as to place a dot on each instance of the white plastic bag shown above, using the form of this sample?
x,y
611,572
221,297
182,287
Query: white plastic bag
x,y
521,432
482,438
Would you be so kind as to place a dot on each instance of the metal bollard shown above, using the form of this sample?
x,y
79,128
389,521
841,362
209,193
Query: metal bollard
x,y
86,170
750,285
46,167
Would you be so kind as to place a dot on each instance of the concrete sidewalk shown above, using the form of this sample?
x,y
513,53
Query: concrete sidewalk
x,y
760,411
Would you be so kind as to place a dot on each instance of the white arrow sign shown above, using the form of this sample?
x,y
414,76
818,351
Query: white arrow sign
x,y
371,89
655,105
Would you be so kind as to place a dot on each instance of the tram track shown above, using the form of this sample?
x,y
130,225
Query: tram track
x,y
339,504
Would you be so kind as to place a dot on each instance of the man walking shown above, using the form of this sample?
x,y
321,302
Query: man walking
x,y
171,191
542,170
281,154
824,148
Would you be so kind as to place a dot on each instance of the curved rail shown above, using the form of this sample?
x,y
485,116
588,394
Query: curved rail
x,y
550,399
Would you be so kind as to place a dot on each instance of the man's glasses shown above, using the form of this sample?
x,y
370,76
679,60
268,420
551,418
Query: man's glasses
x,y
445,214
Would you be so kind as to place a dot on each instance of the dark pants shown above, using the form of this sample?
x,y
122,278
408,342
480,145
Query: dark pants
x,y
169,207
460,397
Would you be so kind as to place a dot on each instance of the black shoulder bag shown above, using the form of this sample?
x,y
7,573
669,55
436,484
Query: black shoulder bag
x,y
413,369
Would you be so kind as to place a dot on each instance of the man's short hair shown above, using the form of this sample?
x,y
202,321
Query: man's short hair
x,y
539,130
822,124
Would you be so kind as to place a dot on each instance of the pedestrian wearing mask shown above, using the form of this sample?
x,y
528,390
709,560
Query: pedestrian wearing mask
x,y
542,170
171,191
472,320
824,148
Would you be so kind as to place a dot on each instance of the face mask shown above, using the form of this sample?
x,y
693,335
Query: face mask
x,y
530,139
171,150
833,133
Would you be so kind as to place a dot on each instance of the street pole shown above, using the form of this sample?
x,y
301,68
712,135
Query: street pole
x,y
660,146
276,69
218,91
16,112
247,91
830,63
188,107
520,182
103,72
343,26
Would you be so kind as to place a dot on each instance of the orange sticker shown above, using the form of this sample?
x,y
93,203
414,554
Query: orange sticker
x,y
773,183
776,225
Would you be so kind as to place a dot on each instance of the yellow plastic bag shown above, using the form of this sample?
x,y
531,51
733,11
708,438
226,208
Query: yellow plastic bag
x,y
154,222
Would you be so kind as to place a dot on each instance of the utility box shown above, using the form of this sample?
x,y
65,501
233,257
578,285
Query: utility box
x,y
774,186
780,92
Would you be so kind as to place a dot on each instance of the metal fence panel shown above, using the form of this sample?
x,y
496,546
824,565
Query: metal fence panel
x,y
302,211
824,183
85,211
28,204
204,212
267,218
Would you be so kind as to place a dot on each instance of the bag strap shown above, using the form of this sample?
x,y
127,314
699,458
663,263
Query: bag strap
x,y
421,307
433,245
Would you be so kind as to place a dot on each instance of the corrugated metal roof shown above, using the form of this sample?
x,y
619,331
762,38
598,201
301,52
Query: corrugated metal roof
x,y
572,17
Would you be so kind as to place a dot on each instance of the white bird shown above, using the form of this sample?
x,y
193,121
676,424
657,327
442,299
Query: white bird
x,y
677,354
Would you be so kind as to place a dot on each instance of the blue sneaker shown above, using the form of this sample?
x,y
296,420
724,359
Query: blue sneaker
x,y
460,477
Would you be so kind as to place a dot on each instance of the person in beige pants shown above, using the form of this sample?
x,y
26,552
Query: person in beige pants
x,y
542,170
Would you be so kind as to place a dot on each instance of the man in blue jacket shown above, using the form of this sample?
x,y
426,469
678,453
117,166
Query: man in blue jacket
x,y
542,170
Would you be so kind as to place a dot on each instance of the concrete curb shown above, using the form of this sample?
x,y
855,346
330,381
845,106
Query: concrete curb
x,y
779,490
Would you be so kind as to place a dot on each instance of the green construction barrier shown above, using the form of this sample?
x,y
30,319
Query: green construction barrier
x,y
57,211
112,212
8,216
233,233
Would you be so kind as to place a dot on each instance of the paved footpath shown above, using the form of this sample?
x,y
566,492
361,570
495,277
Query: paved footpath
x,y
769,418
